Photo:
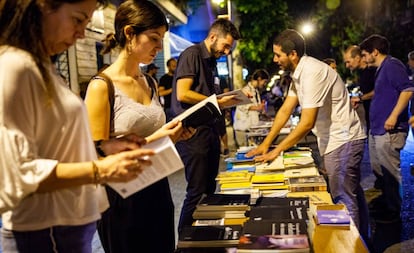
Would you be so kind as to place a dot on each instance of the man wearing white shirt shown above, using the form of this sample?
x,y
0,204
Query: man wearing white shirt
x,y
327,111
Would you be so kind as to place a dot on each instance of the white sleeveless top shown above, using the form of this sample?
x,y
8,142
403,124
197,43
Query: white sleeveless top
x,y
133,117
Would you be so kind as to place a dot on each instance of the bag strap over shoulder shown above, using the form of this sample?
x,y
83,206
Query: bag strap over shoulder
x,y
111,95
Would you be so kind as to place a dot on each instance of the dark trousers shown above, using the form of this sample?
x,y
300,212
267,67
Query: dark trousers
x,y
201,157
65,239
143,222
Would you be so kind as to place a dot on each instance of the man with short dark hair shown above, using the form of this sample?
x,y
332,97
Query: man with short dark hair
x,y
195,79
326,110
389,120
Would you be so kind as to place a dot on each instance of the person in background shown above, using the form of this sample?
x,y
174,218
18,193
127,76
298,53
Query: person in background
x,y
165,86
248,115
50,193
195,79
326,110
221,122
143,222
410,71
152,71
331,63
366,79
388,122
410,65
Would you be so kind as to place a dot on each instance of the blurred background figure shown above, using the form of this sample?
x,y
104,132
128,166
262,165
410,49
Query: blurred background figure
x,y
248,115
364,82
152,70
165,87
331,62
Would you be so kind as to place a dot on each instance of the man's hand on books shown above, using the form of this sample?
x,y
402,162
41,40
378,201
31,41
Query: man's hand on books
x,y
270,156
260,150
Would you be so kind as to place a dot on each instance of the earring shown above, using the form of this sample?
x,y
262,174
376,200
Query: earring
x,y
129,48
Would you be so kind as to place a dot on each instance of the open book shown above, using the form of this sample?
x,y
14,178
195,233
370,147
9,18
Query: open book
x,y
202,113
165,162
239,95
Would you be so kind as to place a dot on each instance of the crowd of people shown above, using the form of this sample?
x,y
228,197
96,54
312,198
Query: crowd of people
x,y
57,151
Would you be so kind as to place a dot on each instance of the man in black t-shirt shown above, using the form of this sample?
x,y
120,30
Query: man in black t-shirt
x,y
165,87
195,79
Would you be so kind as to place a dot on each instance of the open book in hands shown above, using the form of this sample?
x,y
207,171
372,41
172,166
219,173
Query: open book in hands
x,y
165,162
202,113
239,95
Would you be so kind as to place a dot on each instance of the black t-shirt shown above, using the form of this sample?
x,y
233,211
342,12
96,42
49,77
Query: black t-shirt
x,y
194,62
367,79
166,82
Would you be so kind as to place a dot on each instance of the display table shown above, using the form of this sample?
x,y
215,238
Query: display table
x,y
327,239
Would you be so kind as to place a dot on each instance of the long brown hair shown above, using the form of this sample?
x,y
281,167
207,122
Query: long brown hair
x,y
21,27
141,15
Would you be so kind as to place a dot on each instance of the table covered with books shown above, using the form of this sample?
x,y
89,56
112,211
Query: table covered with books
x,y
282,206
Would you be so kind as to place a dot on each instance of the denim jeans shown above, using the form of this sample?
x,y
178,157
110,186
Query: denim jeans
x,y
384,151
344,176
58,239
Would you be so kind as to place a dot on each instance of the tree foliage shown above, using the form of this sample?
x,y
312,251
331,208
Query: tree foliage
x,y
259,22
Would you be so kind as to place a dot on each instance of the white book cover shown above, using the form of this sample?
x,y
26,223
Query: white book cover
x,y
242,98
165,161
301,172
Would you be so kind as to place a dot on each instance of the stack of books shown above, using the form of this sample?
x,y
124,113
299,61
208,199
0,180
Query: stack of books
x,y
276,225
298,157
229,181
237,164
307,184
214,236
228,206
269,181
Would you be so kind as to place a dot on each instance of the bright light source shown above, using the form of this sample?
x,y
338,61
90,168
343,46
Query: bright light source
x,y
218,2
307,28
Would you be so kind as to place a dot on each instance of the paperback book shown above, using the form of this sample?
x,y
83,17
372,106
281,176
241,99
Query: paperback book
x,y
224,202
202,113
209,236
276,202
273,244
270,212
314,183
275,227
332,215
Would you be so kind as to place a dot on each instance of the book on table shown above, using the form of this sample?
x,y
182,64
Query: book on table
x,y
314,183
270,212
273,244
332,215
275,227
228,202
209,236
311,171
277,202
217,214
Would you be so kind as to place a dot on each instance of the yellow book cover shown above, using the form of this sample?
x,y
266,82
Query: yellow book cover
x,y
236,185
268,178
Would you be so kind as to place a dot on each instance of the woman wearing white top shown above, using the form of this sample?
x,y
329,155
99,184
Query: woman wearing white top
x,y
247,116
50,195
